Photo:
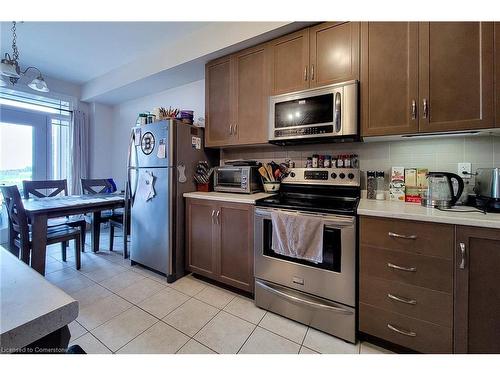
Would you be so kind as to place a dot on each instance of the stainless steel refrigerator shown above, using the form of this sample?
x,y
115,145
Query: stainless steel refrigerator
x,y
161,162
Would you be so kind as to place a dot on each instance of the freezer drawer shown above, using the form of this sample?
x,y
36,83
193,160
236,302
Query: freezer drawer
x,y
334,318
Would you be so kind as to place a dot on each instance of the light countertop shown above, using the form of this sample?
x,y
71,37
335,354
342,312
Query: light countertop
x,y
30,306
413,211
227,197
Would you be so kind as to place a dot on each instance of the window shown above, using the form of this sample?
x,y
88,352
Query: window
x,y
35,138
60,150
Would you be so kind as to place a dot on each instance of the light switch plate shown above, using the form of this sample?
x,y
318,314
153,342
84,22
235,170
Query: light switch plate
x,y
464,170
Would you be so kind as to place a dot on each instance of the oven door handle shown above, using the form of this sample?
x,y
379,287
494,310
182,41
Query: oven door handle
x,y
301,301
330,220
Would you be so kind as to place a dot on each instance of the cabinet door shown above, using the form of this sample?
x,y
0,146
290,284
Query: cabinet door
x,y
290,62
477,292
251,84
455,76
236,245
218,102
497,73
389,78
334,50
200,237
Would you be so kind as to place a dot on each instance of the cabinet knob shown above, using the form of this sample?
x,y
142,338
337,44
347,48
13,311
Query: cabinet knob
x,y
305,73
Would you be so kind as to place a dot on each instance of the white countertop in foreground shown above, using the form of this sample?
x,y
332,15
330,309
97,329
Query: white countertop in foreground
x,y
412,211
227,197
30,306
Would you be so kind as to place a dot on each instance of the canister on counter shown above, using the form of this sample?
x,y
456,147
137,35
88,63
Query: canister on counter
x,y
321,161
309,162
371,185
328,161
315,160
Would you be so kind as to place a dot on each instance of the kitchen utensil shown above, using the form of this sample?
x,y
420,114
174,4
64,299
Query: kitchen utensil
x,y
439,192
270,172
488,183
263,172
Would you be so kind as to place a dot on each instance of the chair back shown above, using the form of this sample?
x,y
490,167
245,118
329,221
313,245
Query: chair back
x,y
16,212
98,186
44,188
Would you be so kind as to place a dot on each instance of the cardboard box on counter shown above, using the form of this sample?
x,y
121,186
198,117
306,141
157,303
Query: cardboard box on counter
x,y
411,189
397,184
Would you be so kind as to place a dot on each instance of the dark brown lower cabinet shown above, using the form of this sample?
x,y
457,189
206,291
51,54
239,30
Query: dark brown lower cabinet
x,y
219,239
477,290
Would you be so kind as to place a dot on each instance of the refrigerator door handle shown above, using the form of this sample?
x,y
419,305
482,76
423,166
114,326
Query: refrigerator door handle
x,y
128,187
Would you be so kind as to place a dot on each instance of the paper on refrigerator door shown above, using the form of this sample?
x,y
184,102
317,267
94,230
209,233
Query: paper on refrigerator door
x,y
146,189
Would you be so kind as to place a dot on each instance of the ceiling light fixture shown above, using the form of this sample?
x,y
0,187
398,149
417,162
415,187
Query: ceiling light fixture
x,y
9,68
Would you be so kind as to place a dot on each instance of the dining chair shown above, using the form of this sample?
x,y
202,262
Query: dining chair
x,y
115,217
18,221
53,188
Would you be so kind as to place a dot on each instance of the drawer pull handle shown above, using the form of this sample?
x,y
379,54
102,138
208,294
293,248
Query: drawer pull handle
x,y
402,299
401,268
403,236
401,331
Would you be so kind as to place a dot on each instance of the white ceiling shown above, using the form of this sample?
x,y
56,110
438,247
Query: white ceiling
x,y
81,51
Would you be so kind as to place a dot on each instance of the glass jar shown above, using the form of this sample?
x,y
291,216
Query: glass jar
x,y
380,192
371,185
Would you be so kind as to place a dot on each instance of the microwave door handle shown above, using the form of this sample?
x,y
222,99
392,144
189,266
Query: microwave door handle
x,y
338,112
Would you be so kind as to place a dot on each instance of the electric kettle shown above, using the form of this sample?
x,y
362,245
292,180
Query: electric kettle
x,y
439,192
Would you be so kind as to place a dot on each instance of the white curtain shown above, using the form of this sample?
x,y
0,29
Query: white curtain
x,y
79,150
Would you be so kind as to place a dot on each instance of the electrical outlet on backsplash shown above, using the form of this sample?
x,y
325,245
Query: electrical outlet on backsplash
x,y
438,154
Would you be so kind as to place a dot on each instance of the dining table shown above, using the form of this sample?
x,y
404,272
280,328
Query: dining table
x,y
39,210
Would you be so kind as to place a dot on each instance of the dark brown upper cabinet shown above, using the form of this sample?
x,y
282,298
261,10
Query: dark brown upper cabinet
x,y
389,78
456,76
497,72
218,113
237,91
290,62
321,55
477,296
334,53
426,77
251,85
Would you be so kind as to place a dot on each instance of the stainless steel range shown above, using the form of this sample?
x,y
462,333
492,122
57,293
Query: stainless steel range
x,y
321,294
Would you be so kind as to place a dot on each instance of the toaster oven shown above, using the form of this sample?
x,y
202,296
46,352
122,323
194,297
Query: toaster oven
x,y
237,179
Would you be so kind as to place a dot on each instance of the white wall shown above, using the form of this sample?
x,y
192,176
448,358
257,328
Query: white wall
x,y
101,140
124,116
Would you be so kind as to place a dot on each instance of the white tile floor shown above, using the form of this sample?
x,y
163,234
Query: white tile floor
x,y
125,309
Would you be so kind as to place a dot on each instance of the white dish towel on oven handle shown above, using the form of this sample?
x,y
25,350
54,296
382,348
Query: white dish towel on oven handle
x,y
298,236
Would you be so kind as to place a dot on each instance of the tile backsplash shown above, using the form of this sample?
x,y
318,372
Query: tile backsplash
x,y
436,154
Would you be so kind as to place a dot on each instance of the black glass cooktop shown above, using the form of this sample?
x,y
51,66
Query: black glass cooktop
x,y
311,202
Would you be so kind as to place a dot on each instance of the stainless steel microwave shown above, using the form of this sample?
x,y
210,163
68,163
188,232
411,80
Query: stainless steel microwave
x,y
237,179
328,113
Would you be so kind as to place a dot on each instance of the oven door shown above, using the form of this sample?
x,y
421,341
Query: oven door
x,y
333,279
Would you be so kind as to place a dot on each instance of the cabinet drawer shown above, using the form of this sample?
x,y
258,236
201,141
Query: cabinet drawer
x,y
416,302
428,272
414,334
410,236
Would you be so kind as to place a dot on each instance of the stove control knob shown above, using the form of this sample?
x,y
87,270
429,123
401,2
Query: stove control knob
x,y
342,175
292,174
333,175
351,176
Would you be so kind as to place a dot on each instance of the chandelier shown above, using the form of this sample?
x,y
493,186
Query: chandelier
x,y
10,69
